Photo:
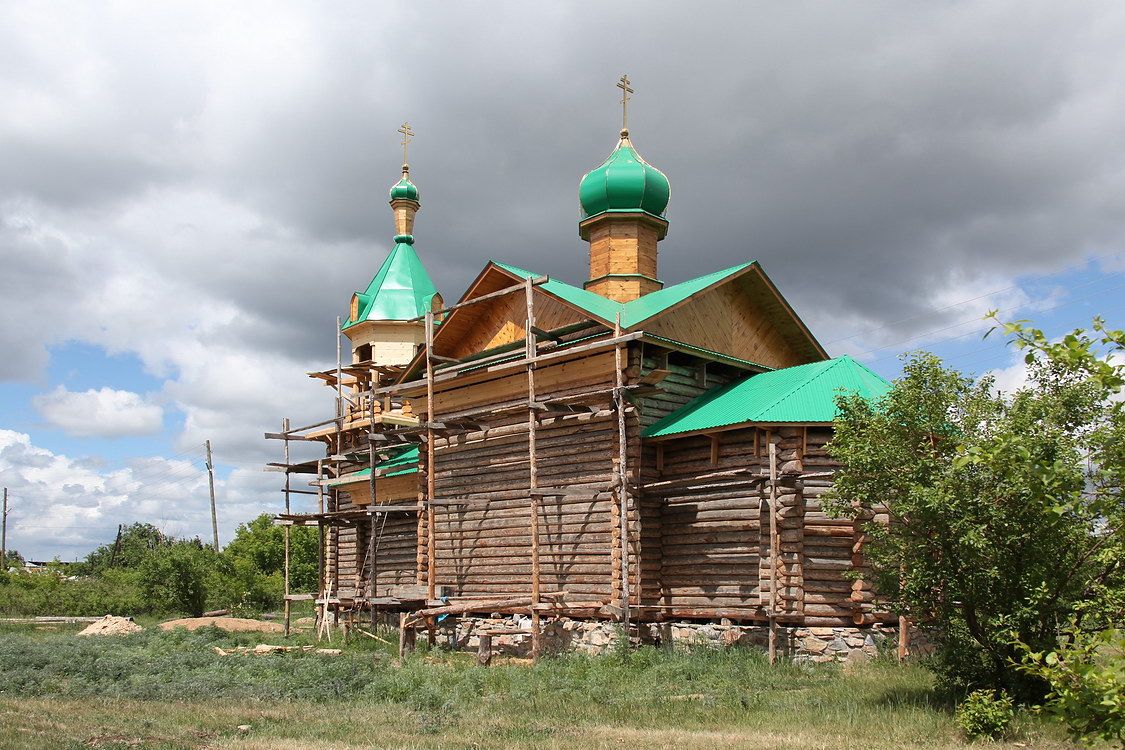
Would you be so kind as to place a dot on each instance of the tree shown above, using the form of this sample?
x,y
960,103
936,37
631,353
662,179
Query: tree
x,y
262,544
136,543
1005,516
180,577
14,560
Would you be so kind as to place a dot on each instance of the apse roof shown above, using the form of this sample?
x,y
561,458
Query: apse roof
x,y
803,394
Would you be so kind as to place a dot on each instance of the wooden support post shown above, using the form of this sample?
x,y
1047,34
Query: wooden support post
x,y
334,497
622,472
532,423
372,546
406,636
431,491
484,650
773,552
288,604
903,638
321,551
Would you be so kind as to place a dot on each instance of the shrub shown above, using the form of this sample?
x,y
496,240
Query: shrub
x,y
177,580
985,713
1087,684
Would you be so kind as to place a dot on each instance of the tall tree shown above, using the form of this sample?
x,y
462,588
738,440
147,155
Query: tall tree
x,y
1005,516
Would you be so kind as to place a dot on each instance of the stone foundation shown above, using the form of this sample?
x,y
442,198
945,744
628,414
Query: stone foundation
x,y
807,644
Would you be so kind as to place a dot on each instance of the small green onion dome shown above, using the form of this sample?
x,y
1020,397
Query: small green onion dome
x,y
404,189
624,182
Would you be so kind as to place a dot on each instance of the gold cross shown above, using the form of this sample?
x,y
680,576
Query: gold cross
x,y
407,134
623,84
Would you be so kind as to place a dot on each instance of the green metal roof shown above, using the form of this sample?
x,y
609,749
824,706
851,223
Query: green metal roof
x,y
402,464
802,394
404,189
624,182
401,290
636,311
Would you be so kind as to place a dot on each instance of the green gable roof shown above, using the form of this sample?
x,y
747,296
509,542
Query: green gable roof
x,y
401,290
802,394
635,311
404,463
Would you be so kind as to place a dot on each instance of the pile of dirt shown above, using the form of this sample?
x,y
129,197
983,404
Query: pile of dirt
x,y
110,625
231,624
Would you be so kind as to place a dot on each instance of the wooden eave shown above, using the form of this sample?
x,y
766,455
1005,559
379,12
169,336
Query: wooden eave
x,y
736,426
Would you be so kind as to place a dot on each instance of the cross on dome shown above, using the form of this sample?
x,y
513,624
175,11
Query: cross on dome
x,y
626,89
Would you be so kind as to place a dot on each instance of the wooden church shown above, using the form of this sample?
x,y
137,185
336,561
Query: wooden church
x,y
623,450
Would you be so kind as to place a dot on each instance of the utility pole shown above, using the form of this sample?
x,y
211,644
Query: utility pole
x,y
4,534
211,487
116,545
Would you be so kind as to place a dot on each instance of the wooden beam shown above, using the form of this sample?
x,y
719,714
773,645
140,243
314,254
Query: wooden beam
x,y
773,554
561,353
540,333
538,280
533,477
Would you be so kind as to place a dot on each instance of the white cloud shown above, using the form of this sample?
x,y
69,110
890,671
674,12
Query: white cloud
x,y
104,412
1011,378
65,506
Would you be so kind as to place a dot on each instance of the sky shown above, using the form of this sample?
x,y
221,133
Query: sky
x,y
190,193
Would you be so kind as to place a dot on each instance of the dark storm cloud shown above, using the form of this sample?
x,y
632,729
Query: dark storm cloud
x,y
870,155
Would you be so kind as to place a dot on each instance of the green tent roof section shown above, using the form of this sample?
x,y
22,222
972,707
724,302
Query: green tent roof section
x,y
404,463
402,289
635,311
802,394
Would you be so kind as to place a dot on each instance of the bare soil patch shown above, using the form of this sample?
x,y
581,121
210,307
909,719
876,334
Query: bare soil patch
x,y
230,624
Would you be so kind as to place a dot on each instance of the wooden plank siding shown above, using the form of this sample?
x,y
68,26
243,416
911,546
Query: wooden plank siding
x,y
727,319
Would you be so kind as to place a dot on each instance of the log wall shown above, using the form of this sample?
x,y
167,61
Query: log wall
x,y
713,536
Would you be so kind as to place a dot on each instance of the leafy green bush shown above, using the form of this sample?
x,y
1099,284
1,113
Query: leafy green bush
x,y
1087,679
116,592
177,580
985,713
261,544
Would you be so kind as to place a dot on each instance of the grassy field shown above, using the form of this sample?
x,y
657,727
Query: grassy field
x,y
171,690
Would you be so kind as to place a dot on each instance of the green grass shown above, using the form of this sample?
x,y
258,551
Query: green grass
x,y
157,689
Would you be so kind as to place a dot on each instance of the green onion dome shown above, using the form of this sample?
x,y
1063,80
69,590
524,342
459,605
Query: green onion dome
x,y
404,189
624,183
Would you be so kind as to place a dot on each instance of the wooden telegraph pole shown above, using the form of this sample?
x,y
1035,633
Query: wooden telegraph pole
x,y
4,534
211,487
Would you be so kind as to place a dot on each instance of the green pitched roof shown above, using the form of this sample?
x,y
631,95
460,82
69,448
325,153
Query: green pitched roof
x,y
805,393
404,463
635,311
401,290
